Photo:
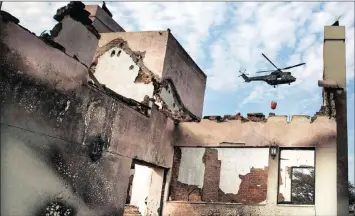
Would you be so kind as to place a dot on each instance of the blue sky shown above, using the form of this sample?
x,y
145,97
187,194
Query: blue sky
x,y
223,37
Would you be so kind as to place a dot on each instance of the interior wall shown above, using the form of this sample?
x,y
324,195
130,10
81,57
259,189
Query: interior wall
x,y
220,175
288,159
140,187
155,192
326,186
117,70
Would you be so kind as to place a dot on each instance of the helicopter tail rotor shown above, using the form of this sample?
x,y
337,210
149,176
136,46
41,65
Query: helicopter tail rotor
x,y
242,72
244,75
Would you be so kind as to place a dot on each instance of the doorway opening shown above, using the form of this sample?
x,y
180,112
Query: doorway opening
x,y
145,190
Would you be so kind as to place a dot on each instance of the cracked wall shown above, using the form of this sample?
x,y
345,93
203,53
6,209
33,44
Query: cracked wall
x,y
117,70
220,175
238,132
59,130
275,129
186,76
154,54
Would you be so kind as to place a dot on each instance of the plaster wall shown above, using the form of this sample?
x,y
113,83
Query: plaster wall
x,y
326,180
117,70
197,168
188,78
334,58
164,57
140,189
49,115
291,158
334,55
239,161
192,169
155,192
299,132
151,43
169,98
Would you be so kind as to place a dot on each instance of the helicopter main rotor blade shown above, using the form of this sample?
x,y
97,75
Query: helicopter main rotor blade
x,y
293,66
270,62
265,71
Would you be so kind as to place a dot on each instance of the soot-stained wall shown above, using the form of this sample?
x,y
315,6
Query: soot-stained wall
x,y
230,175
166,59
63,142
189,79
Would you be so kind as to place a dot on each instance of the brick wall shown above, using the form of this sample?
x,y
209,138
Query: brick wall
x,y
252,189
212,175
180,191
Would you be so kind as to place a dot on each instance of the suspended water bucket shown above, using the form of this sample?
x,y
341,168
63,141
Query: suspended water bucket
x,y
273,105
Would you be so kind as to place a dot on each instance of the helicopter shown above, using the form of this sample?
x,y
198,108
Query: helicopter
x,y
276,77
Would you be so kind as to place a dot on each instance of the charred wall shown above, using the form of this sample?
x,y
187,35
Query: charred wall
x,y
186,76
300,131
57,140
228,175
255,190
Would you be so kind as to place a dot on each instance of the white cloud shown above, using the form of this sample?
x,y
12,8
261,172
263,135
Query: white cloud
x,y
244,31
223,37
36,16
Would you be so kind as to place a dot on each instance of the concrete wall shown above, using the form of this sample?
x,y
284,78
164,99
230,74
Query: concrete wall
x,y
188,78
300,132
50,121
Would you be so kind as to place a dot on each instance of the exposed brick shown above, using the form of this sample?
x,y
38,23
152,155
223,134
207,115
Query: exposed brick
x,y
180,191
252,189
256,117
212,175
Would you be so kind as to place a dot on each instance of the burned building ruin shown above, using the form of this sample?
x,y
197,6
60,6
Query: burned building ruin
x,y
99,121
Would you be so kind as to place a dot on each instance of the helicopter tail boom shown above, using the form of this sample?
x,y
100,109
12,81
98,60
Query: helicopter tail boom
x,y
245,77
